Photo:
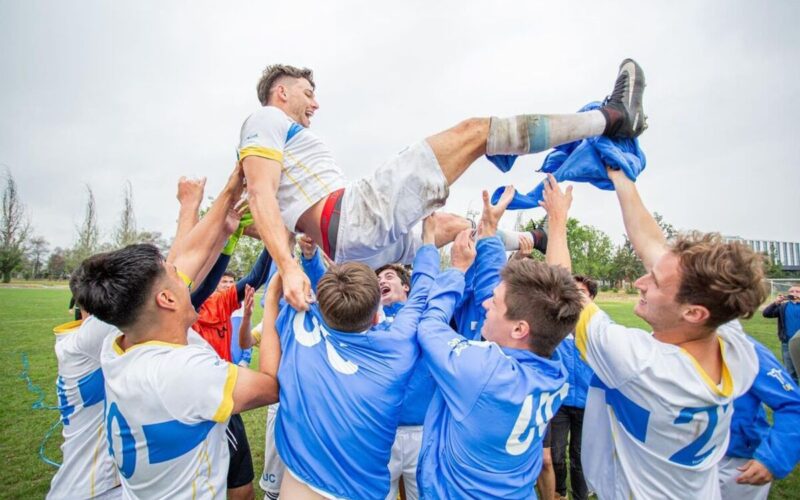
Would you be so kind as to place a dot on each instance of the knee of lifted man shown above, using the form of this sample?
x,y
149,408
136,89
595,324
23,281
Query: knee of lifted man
x,y
473,126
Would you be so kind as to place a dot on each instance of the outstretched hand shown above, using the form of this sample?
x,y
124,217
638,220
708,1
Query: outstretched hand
x,y
190,190
429,229
525,247
236,181
462,255
248,302
492,213
556,202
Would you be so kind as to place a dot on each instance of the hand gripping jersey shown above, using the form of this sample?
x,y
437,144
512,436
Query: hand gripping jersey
x,y
656,424
167,407
308,170
87,470
483,430
341,393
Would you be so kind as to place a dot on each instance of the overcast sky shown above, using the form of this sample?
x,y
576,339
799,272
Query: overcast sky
x,y
99,92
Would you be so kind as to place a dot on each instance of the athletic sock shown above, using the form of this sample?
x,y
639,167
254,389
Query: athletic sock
x,y
510,239
525,134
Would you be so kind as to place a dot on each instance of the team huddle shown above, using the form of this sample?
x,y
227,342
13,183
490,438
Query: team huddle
x,y
443,380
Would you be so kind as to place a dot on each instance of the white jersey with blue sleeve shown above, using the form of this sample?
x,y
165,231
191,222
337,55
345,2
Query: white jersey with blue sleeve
x,y
659,424
167,407
341,393
87,469
483,431
308,169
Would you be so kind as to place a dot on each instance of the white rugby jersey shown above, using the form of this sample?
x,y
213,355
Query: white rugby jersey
x,y
658,423
308,170
87,469
167,407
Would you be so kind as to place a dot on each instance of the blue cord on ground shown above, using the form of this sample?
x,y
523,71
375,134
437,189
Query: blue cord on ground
x,y
39,404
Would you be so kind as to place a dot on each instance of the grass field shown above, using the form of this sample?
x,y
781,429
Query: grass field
x,y
27,316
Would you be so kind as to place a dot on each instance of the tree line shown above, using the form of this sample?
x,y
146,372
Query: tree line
x,y
24,255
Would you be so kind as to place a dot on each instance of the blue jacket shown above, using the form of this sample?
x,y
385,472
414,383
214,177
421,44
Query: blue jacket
x,y
751,435
420,387
578,373
776,310
579,161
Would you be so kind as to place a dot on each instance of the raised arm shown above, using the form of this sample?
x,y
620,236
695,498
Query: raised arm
x,y
426,267
311,258
190,196
246,340
191,253
557,202
646,236
263,177
257,276
214,267
269,354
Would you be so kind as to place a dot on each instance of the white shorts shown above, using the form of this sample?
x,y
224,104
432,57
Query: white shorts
x,y
380,215
405,452
274,468
730,489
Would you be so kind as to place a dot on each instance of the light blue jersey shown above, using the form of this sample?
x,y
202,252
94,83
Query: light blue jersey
x,y
341,393
483,430
752,436
480,281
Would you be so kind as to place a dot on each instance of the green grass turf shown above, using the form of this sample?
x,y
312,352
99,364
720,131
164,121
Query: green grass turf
x,y
27,317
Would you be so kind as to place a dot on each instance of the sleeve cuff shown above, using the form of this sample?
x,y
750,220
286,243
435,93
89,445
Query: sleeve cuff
x,y
262,152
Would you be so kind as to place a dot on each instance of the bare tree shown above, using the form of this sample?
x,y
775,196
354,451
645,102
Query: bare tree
x,y
126,234
37,248
14,229
88,233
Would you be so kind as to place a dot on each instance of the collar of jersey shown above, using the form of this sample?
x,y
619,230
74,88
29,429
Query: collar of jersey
x,y
66,328
316,312
119,350
727,380
527,356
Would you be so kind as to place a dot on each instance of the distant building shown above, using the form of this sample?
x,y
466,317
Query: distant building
x,y
785,252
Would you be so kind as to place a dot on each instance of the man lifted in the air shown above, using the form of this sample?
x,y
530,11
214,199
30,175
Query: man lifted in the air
x,y
294,182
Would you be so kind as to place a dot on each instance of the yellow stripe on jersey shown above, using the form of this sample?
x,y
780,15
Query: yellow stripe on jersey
x,y
186,280
119,350
66,328
582,328
262,152
727,380
226,407
309,171
297,184
94,460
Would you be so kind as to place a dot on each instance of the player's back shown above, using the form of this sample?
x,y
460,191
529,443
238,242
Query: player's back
x,y
658,423
167,409
506,397
341,394
87,470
